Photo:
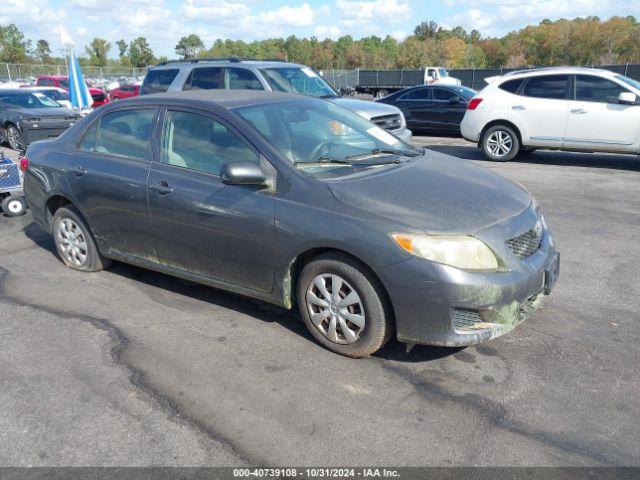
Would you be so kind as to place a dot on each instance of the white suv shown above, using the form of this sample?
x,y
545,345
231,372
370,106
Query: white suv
x,y
581,109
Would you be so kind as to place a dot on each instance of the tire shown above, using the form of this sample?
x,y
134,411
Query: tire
x,y
67,221
14,206
500,143
14,138
369,306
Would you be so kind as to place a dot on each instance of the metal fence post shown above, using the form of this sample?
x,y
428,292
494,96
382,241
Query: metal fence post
x,y
473,78
626,67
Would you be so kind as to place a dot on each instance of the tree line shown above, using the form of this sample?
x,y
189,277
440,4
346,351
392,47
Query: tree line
x,y
579,41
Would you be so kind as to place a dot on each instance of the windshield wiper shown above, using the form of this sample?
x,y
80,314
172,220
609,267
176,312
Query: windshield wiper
x,y
385,151
323,159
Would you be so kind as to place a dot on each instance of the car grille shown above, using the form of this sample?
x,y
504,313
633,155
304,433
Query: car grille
x,y
388,122
526,244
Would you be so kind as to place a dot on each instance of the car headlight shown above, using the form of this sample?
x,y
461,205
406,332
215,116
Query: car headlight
x,y
403,121
464,252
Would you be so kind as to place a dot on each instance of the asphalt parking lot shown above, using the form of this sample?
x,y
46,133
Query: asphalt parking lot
x,y
131,367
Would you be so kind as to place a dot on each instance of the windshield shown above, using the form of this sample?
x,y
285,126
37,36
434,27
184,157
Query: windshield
x,y
64,83
629,81
313,132
443,72
298,80
55,94
28,100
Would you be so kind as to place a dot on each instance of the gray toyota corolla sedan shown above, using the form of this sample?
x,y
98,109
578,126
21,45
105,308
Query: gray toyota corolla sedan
x,y
294,200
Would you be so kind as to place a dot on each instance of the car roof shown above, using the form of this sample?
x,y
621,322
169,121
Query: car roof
x,y
558,70
225,62
224,98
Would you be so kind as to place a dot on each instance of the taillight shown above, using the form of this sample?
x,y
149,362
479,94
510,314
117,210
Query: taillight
x,y
473,103
24,163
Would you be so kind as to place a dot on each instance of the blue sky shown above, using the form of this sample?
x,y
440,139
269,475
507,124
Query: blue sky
x,y
163,22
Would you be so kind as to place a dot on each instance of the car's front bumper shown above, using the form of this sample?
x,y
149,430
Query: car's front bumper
x,y
440,305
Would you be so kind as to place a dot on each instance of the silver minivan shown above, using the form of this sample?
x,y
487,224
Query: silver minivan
x,y
234,73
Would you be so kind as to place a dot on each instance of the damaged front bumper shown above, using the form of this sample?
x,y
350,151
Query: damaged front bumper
x,y
436,304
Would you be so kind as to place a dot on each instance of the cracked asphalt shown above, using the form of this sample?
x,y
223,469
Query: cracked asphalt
x,y
128,367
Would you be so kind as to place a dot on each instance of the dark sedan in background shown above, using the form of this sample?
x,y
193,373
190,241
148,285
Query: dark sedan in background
x,y
27,116
434,108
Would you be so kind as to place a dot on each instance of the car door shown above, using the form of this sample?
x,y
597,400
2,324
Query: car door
x,y
416,107
448,108
107,175
200,224
540,109
597,121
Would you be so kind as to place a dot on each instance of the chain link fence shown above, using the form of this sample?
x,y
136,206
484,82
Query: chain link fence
x,y
343,80
27,73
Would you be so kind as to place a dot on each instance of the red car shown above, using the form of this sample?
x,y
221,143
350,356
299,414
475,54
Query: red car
x,y
124,91
61,81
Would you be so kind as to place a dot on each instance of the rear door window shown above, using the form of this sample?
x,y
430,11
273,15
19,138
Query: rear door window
x,y
243,79
590,88
417,94
158,81
205,78
442,94
125,133
547,86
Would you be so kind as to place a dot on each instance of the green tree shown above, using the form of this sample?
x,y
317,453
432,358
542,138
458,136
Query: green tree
x,y
122,47
98,50
426,30
140,53
189,46
13,46
42,51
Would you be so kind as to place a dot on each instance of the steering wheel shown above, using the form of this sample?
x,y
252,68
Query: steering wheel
x,y
319,150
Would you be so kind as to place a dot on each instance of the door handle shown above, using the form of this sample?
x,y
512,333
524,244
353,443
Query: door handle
x,y
578,111
518,107
80,170
162,188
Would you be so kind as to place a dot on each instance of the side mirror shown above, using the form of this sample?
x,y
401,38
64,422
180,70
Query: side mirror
x,y
242,173
627,98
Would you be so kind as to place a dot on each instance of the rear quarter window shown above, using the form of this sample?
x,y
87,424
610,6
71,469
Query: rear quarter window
x,y
511,86
158,81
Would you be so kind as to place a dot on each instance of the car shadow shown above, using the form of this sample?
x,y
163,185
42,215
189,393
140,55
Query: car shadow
x,y
549,157
257,309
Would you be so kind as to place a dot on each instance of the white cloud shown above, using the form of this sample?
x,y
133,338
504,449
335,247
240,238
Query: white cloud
x,y
498,16
384,11
212,10
327,31
301,16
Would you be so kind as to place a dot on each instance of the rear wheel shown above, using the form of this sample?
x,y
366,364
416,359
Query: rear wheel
x,y
75,243
14,137
14,206
343,306
500,143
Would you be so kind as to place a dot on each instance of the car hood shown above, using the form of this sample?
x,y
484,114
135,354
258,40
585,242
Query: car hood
x,y
435,193
365,108
45,112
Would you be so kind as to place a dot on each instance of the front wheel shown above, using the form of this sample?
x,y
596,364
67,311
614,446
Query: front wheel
x,y
500,143
74,241
14,137
343,306
14,206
